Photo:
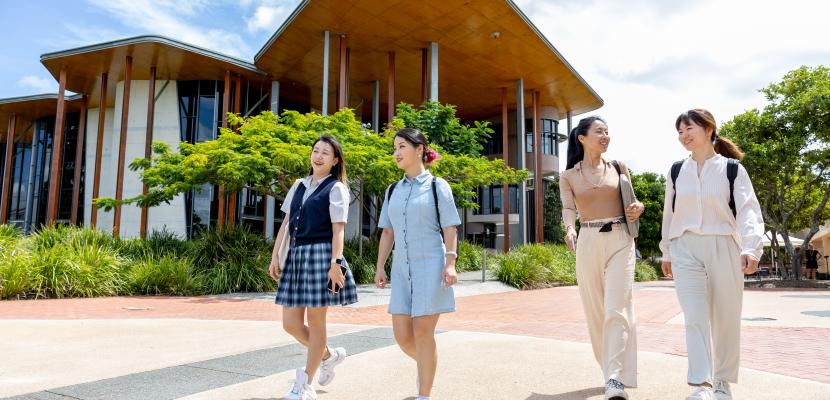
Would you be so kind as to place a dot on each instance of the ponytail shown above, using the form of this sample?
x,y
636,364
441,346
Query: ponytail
x,y
728,148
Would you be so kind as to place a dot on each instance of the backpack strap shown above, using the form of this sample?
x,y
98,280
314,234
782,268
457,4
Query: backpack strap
x,y
435,197
616,165
675,172
731,174
390,190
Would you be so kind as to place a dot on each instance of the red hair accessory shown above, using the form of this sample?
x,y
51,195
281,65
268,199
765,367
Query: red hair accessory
x,y
431,155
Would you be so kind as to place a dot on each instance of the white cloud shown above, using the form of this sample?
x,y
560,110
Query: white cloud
x,y
39,83
650,60
268,18
168,18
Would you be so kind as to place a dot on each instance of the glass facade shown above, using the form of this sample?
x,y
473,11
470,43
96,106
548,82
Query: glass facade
x,y
200,114
550,128
490,199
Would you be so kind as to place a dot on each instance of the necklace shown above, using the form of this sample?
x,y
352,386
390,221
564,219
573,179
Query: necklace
x,y
601,178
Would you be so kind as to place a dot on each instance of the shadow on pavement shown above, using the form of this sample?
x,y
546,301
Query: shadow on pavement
x,y
576,395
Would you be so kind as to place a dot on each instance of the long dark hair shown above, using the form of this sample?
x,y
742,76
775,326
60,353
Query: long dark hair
x,y
416,138
339,169
575,150
706,120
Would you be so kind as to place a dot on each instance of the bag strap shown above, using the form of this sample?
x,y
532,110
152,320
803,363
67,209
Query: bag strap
x,y
675,172
390,190
435,197
731,174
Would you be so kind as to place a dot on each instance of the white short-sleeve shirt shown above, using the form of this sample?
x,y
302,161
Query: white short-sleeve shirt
x,y
339,198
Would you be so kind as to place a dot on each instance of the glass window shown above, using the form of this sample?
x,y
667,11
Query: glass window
x,y
498,202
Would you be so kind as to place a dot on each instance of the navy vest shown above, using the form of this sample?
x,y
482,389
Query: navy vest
x,y
311,221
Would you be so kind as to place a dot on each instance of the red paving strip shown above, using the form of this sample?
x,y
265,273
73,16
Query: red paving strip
x,y
550,313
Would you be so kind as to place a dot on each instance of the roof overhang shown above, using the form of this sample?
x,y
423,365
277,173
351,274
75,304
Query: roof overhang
x,y
174,60
475,62
29,109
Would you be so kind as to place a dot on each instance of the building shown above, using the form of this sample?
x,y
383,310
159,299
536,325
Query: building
x,y
484,56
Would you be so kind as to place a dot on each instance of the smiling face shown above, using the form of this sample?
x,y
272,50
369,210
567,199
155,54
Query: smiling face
x,y
597,139
693,136
407,155
323,158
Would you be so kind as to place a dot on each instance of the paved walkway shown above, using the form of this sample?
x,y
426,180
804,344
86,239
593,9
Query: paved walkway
x,y
518,342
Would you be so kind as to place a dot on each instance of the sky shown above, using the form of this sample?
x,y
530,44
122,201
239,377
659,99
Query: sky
x,y
649,60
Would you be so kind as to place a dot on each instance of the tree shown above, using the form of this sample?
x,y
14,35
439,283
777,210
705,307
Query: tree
x,y
444,129
650,189
787,147
269,152
554,230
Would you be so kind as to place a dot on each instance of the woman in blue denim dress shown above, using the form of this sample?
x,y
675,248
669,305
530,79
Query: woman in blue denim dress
x,y
423,266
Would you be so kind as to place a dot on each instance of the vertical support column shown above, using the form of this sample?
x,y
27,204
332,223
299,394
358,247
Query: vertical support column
x,y
99,147
505,144
148,142
7,169
122,145
237,108
343,83
79,159
569,123
226,102
520,141
30,193
324,109
390,77
270,201
539,187
433,71
376,106
424,74
57,152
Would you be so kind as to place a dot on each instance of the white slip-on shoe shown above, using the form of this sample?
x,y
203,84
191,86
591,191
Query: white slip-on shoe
x,y
300,381
722,390
308,393
615,390
702,393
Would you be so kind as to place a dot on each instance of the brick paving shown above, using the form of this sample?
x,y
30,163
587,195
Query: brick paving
x,y
550,313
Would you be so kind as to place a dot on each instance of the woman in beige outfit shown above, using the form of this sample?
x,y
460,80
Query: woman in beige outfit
x,y
604,252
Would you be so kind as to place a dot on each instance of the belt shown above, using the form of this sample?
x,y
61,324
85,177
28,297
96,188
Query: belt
x,y
601,224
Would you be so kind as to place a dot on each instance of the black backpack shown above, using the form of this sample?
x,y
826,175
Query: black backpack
x,y
434,197
731,174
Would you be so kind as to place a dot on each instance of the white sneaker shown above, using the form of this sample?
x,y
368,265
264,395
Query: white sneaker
x,y
336,356
722,390
702,393
301,389
615,390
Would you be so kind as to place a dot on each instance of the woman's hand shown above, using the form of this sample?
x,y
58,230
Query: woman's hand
x,y
570,239
336,277
749,264
380,278
274,268
666,266
449,276
634,211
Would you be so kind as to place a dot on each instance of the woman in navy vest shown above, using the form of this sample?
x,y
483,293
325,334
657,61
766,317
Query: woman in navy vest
x,y
420,217
315,210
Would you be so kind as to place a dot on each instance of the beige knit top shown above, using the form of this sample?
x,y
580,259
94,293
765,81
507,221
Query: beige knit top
x,y
596,195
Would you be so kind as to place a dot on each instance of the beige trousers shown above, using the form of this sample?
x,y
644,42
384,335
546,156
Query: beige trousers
x,y
605,274
709,281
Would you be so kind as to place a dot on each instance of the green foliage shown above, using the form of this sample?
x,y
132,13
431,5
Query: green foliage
x,y
650,189
232,260
469,257
787,146
165,275
646,271
534,266
78,269
363,268
554,228
17,277
444,129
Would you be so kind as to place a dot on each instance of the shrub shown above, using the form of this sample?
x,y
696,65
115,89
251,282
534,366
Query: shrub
x,y
17,277
166,275
645,271
232,260
79,270
363,268
469,257
9,235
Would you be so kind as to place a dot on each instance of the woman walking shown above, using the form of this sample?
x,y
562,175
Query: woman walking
x,y
712,236
420,218
812,256
604,251
312,278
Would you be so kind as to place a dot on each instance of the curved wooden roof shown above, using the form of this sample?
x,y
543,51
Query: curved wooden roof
x,y
28,109
474,60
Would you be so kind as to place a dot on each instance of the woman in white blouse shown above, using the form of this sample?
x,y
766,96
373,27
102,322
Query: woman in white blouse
x,y
708,245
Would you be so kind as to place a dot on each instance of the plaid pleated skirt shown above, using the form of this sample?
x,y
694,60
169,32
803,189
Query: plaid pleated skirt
x,y
304,279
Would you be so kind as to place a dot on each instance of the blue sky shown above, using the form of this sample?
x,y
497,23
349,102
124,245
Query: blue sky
x,y
649,59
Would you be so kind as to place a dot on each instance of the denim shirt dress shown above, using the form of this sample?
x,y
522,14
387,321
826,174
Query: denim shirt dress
x,y
419,254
